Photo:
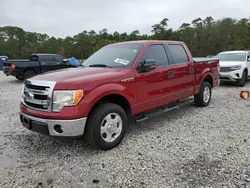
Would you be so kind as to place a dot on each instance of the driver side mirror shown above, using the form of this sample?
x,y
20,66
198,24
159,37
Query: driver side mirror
x,y
147,65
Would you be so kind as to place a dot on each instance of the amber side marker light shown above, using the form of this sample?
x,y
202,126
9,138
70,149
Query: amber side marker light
x,y
244,95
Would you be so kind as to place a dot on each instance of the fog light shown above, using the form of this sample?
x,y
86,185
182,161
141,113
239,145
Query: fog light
x,y
237,75
58,129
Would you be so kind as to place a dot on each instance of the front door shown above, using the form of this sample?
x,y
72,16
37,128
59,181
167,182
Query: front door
x,y
153,87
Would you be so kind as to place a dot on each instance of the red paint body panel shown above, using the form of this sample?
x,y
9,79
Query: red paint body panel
x,y
147,90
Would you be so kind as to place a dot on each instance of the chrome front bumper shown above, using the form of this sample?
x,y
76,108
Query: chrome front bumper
x,y
60,128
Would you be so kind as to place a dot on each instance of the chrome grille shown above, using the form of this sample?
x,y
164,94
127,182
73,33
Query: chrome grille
x,y
37,94
225,69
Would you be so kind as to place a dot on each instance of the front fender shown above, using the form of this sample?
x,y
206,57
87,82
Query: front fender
x,y
91,97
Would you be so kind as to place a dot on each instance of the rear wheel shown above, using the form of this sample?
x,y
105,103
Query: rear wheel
x,y
29,74
242,81
106,126
203,98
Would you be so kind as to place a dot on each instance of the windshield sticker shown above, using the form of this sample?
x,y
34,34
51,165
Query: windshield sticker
x,y
122,61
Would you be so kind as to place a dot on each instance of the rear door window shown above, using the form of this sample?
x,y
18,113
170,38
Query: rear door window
x,y
179,54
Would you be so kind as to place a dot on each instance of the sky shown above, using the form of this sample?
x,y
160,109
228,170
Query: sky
x,y
61,18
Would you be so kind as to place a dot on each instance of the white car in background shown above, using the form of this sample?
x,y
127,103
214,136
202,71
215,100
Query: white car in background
x,y
234,66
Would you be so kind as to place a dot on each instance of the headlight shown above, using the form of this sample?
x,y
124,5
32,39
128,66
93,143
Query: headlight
x,y
235,68
62,98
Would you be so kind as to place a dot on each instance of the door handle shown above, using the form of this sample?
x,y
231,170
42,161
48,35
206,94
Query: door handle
x,y
170,74
43,63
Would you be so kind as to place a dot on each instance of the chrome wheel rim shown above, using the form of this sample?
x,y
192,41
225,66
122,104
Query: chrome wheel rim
x,y
111,127
206,94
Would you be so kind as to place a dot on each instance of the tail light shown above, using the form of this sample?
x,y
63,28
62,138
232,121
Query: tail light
x,y
12,67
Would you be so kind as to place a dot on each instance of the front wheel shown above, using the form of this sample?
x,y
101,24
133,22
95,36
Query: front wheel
x,y
242,81
203,98
106,126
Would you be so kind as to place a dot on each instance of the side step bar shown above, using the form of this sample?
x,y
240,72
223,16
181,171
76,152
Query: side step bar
x,y
147,115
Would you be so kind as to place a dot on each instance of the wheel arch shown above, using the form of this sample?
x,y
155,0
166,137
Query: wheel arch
x,y
116,99
208,78
246,69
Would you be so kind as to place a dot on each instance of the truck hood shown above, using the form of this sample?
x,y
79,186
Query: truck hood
x,y
230,63
76,74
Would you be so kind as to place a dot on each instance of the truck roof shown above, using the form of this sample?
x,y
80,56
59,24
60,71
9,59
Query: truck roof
x,y
149,42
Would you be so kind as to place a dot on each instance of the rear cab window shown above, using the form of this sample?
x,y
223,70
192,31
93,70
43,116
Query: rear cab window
x,y
178,53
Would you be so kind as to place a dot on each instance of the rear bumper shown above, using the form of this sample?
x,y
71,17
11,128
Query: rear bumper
x,y
54,127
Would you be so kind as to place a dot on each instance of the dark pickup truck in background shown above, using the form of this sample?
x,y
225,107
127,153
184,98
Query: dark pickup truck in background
x,y
37,63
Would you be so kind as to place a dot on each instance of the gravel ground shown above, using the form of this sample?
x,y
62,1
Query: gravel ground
x,y
190,147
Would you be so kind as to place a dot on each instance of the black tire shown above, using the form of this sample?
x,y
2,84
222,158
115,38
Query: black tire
x,y
29,74
199,98
242,81
19,77
95,122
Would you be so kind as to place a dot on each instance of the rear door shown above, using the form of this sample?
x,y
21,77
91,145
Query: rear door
x,y
182,70
48,63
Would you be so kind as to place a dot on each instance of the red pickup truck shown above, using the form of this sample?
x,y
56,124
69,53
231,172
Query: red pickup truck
x,y
119,84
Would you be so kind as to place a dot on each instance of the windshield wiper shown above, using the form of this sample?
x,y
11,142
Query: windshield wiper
x,y
99,65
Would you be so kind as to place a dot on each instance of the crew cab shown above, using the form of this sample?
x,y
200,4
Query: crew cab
x,y
37,63
234,66
120,84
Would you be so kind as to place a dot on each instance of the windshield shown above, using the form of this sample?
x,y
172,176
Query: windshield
x,y
114,56
232,57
